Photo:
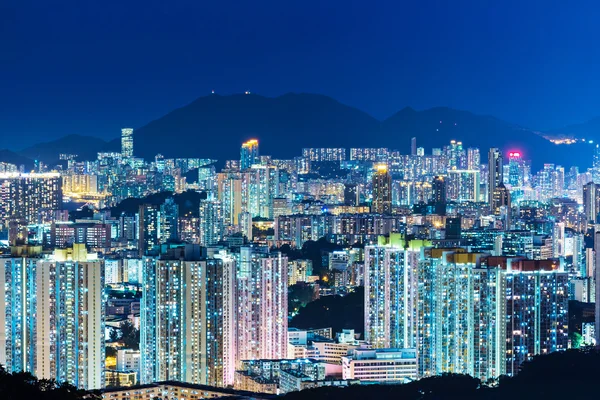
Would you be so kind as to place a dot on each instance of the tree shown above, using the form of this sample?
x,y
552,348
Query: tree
x,y
129,335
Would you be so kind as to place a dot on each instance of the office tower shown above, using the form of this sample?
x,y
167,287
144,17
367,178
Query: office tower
x,y
515,169
391,273
262,308
501,204
32,198
413,146
210,222
591,202
382,190
596,165
169,220
54,317
187,321
149,229
473,158
351,194
127,142
249,154
462,185
495,172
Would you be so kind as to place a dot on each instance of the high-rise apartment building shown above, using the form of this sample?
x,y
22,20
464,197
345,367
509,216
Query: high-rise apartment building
x,y
127,142
149,229
261,295
54,317
382,190
591,202
391,273
187,321
32,198
210,222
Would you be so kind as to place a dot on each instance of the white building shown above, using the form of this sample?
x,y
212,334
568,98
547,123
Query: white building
x,y
381,365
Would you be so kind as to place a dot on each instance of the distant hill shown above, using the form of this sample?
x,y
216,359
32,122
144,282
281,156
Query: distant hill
x,y
11,157
589,130
86,147
214,126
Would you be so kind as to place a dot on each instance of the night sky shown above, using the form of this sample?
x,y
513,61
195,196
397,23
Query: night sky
x,y
92,67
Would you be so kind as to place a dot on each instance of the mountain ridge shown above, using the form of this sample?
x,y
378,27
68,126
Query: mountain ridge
x,y
214,126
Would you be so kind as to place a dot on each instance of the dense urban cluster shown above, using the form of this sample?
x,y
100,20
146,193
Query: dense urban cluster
x,y
179,277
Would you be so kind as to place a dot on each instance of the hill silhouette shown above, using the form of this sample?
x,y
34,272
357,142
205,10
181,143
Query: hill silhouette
x,y
214,126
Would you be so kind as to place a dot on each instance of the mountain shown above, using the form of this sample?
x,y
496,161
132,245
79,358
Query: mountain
x,y
214,126
435,127
86,147
11,157
587,130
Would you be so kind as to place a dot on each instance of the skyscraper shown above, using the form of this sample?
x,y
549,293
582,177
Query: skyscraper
x,y
149,228
187,321
55,317
249,154
596,165
261,295
591,202
391,274
382,190
169,220
127,142
495,172
210,222
31,197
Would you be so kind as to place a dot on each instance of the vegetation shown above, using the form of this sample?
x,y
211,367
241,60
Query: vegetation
x,y
130,336
188,202
560,375
23,385
337,312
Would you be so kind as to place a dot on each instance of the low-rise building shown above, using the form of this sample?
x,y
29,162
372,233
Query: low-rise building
x,y
381,365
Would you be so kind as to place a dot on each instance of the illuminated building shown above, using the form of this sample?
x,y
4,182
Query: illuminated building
x,y
591,202
473,158
249,154
210,222
149,229
382,190
500,204
30,197
80,184
93,234
299,271
515,169
230,195
127,142
596,165
391,293
262,308
495,172
260,185
483,315
462,185
324,154
187,321
369,154
381,365
169,220
54,313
